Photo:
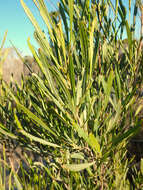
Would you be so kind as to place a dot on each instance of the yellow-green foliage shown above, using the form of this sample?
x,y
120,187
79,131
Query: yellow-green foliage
x,y
75,113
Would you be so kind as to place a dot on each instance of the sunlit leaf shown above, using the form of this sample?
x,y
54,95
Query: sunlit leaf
x,y
77,167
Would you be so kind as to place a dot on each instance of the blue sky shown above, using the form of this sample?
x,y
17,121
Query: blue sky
x,y
14,19
126,4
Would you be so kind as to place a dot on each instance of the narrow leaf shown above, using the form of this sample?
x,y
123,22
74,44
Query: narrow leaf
x,y
77,167
31,137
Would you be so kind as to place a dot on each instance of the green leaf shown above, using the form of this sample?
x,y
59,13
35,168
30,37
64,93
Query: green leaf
x,y
107,87
63,15
122,10
118,82
71,3
80,131
77,167
141,167
18,184
4,131
129,35
46,71
72,75
94,143
109,82
3,41
35,118
39,34
32,18
46,18
127,134
77,156
31,137
91,47
139,109
37,139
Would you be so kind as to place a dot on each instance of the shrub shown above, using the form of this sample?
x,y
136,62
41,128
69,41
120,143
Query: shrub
x,y
80,113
